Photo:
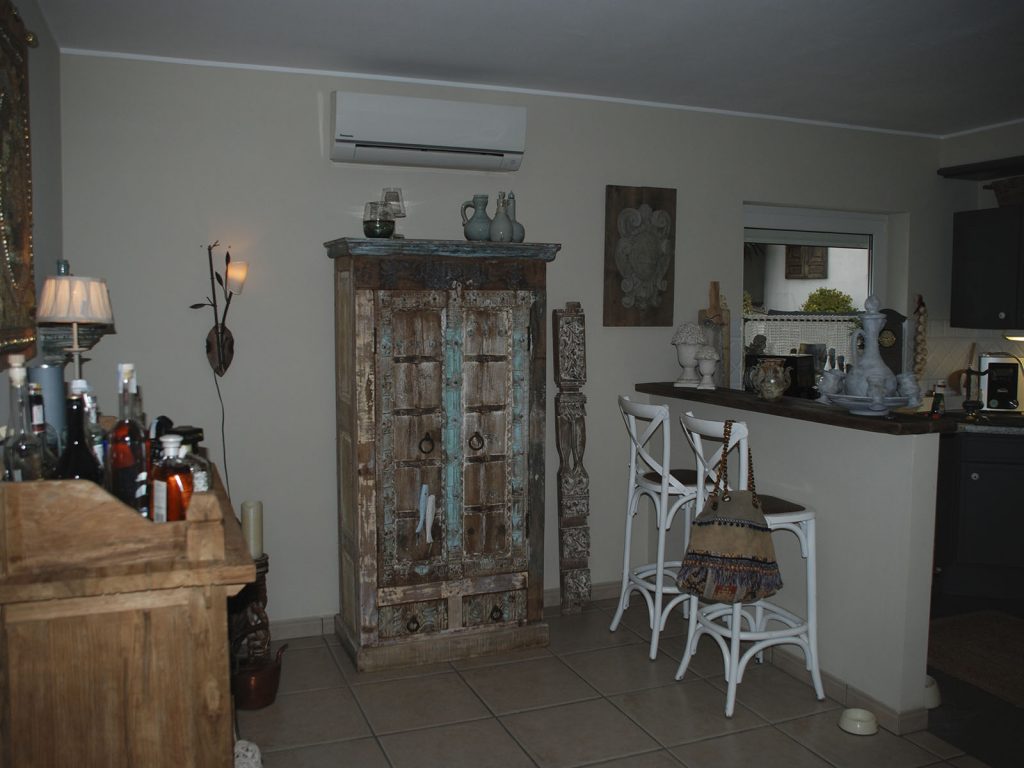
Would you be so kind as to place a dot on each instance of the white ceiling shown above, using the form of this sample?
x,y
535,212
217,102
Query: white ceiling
x,y
933,67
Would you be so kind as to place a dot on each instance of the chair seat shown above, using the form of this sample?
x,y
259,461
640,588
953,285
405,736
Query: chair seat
x,y
687,477
774,505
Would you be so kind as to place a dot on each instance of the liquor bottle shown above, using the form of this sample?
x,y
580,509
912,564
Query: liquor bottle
x,y
126,448
171,488
78,462
23,450
47,435
93,431
190,439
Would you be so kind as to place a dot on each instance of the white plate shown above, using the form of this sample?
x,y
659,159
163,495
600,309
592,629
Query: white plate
x,y
866,406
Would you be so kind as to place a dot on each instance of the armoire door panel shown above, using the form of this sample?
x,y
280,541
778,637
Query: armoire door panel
x,y
417,385
487,382
485,483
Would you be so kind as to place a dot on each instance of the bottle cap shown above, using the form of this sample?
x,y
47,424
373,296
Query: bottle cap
x,y
79,386
17,376
170,445
16,361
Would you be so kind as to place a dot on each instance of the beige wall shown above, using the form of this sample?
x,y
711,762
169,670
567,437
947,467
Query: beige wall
x,y
161,158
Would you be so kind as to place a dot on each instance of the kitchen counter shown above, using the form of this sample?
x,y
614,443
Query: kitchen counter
x,y
895,423
872,482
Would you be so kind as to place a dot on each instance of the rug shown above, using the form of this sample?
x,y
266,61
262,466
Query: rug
x,y
985,649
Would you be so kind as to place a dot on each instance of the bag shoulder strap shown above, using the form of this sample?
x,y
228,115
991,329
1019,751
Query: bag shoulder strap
x,y
721,487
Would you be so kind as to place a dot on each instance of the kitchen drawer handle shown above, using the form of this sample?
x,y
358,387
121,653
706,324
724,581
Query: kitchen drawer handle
x,y
497,614
413,624
975,476
476,441
427,444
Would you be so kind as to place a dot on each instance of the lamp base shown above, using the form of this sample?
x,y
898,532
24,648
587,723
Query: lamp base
x,y
220,348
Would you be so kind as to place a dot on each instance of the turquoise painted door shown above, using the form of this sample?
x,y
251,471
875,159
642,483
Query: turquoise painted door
x,y
453,394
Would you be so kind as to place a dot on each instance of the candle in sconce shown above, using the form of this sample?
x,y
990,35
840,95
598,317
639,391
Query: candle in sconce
x,y
252,527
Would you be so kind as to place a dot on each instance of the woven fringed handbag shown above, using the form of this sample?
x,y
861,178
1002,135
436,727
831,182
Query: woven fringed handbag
x,y
731,558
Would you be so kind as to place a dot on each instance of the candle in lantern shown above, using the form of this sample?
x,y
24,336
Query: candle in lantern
x,y
252,526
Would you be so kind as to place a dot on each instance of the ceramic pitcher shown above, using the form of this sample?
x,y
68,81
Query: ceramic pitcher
x,y
477,227
771,378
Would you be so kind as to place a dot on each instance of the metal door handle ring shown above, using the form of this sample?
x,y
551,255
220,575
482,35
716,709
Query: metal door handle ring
x,y
427,444
476,441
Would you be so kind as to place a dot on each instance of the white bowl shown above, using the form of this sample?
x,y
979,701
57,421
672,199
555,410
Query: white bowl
x,y
859,722
932,699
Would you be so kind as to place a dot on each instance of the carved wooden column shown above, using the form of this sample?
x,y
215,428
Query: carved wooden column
x,y
570,353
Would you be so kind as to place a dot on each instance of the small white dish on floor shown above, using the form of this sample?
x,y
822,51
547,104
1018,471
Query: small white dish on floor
x,y
859,722
932,698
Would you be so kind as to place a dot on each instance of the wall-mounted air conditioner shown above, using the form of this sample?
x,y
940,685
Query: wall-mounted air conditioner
x,y
401,130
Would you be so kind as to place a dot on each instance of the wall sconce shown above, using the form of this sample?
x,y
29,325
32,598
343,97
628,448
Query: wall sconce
x,y
220,343
74,300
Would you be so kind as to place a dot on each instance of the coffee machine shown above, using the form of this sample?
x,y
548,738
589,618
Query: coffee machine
x,y
1002,383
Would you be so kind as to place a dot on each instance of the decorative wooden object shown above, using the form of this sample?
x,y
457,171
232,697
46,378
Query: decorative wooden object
x,y
440,354
570,356
17,280
639,255
115,641
715,322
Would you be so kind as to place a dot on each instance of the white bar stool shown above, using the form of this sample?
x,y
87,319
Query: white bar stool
x,y
670,490
725,622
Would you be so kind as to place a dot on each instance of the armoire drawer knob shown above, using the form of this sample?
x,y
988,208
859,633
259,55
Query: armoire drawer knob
x,y
497,614
413,624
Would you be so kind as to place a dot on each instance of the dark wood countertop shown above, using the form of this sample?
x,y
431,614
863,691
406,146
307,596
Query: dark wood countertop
x,y
807,410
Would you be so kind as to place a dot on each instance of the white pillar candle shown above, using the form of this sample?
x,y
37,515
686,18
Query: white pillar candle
x,y
252,526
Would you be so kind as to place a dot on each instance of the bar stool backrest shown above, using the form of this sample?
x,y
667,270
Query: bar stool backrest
x,y
643,424
708,457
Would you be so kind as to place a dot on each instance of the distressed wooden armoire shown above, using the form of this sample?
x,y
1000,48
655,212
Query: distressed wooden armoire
x,y
440,376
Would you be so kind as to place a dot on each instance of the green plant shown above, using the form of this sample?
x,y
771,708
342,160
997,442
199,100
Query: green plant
x,y
828,300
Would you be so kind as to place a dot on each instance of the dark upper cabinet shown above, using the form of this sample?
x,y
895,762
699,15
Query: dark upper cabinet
x,y
988,274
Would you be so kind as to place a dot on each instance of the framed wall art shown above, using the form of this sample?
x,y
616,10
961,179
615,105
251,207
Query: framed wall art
x,y
17,280
639,255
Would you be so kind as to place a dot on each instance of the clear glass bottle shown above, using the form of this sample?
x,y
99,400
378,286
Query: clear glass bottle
x,y
23,450
93,431
171,488
191,437
126,448
78,462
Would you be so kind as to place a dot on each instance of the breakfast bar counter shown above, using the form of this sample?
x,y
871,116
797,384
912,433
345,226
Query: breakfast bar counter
x,y
872,482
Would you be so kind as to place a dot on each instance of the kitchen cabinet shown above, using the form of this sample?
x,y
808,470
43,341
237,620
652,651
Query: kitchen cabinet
x,y
988,273
113,629
440,379
979,526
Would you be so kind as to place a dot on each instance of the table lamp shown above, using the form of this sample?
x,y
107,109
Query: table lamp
x,y
75,300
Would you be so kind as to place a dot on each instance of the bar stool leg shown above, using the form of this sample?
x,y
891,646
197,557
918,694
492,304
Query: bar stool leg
x,y
812,609
624,594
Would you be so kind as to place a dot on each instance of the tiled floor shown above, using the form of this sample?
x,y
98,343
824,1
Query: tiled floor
x,y
591,698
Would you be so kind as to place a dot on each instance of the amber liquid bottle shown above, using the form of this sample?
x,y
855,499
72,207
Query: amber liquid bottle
x,y
78,462
126,450
171,489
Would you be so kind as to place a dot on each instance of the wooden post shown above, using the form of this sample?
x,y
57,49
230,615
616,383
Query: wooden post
x,y
715,321
570,354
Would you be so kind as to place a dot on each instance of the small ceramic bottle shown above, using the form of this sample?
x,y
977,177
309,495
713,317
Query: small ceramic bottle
x,y
518,230
501,224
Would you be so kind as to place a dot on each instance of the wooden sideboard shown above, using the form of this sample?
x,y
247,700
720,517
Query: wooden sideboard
x,y
114,643
440,374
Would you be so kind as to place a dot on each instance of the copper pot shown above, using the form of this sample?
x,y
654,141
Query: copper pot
x,y
255,683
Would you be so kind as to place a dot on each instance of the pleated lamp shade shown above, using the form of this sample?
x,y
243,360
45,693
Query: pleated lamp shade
x,y
74,299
